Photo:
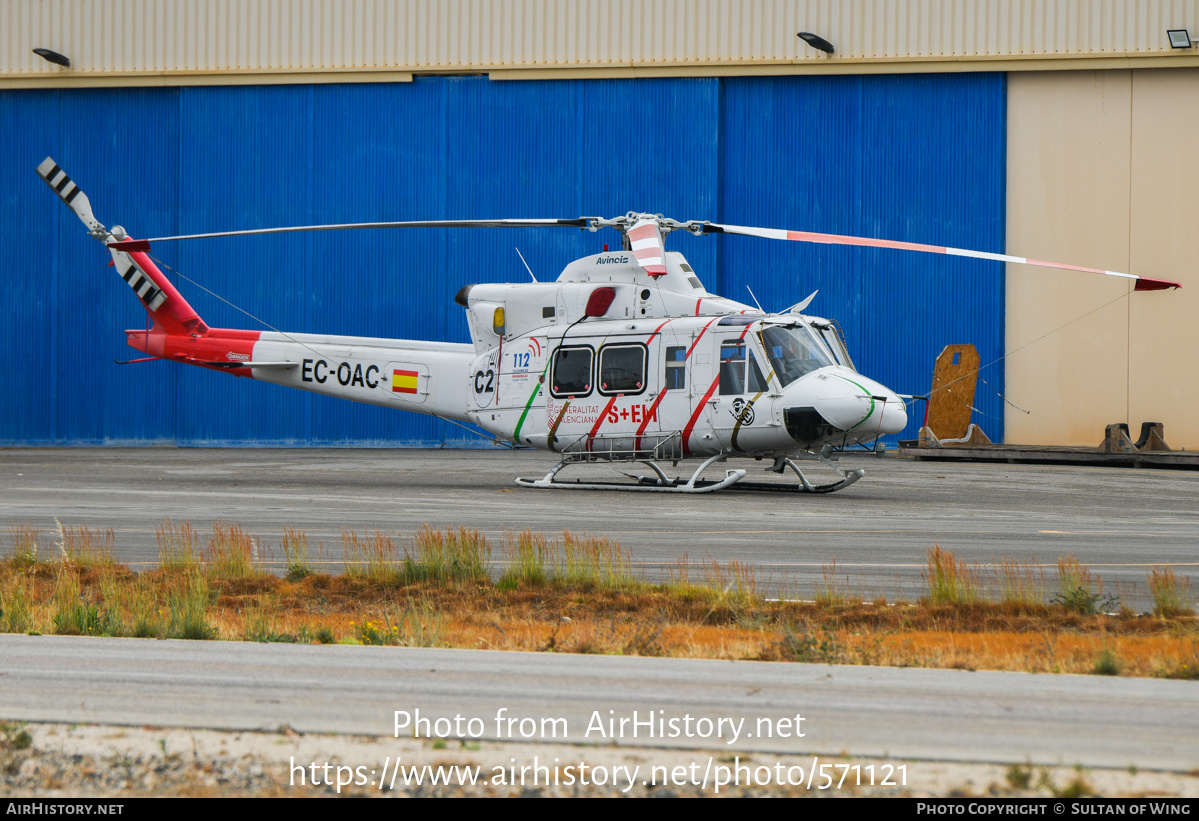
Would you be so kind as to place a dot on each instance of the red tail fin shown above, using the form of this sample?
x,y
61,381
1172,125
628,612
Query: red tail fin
x,y
167,307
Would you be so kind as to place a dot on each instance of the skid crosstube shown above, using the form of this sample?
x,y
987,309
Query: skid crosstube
x,y
731,480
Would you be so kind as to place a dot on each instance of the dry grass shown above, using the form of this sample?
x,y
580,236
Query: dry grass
x,y
835,590
1021,585
460,555
582,594
950,581
23,545
231,553
84,547
178,546
593,561
1171,595
371,557
526,557
297,554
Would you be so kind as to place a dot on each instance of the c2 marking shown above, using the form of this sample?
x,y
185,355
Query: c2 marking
x,y
489,385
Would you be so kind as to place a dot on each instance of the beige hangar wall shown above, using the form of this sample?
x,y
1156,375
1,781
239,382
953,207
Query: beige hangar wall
x,y
1100,169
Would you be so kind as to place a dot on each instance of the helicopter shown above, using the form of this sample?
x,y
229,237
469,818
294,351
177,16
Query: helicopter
x,y
625,358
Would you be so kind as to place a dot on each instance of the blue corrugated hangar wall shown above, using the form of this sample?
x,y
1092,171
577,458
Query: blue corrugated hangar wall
x,y
910,157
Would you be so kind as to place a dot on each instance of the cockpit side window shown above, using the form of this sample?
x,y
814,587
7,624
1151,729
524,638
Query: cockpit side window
x,y
732,367
831,335
757,382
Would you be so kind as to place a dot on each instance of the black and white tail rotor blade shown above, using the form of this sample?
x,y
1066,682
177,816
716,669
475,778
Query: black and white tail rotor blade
x,y
69,192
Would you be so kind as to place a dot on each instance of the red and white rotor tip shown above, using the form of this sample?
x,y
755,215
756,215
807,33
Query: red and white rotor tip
x,y
1142,283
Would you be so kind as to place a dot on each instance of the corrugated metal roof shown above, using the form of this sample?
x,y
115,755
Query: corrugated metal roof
x,y
174,41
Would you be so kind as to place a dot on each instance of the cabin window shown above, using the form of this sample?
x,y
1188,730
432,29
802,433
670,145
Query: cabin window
x,y
570,372
676,368
622,369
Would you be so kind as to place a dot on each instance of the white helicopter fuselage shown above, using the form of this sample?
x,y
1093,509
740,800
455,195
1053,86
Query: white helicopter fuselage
x,y
652,368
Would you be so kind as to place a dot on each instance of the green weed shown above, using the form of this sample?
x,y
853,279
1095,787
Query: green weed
x,y
1078,592
187,601
260,624
145,615
16,610
413,624
1019,776
1107,663
295,551
798,645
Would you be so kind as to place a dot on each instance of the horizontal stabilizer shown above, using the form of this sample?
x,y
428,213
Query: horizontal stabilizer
x,y
234,366
131,245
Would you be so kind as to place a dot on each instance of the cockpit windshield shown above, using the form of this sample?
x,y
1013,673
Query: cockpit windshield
x,y
793,351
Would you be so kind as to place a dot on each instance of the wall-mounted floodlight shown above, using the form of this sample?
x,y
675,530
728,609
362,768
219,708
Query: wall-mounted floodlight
x,y
53,57
1180,38
816,41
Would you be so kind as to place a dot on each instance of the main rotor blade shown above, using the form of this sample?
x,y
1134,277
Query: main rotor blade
x,y
581,222
1142,283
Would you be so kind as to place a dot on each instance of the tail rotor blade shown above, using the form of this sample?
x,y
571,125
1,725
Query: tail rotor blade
x,y
71,194
1142,283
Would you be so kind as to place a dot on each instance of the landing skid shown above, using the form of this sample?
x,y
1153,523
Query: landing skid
x,y
661,483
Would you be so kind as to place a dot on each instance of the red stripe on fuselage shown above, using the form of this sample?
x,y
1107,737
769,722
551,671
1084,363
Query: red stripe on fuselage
x,y
600,421
695,416
697,339
648,416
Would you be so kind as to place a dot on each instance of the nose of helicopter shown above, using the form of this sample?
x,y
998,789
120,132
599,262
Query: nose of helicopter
x,y
836,401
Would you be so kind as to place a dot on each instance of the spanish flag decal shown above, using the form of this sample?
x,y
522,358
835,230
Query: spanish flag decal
x,y
403,381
